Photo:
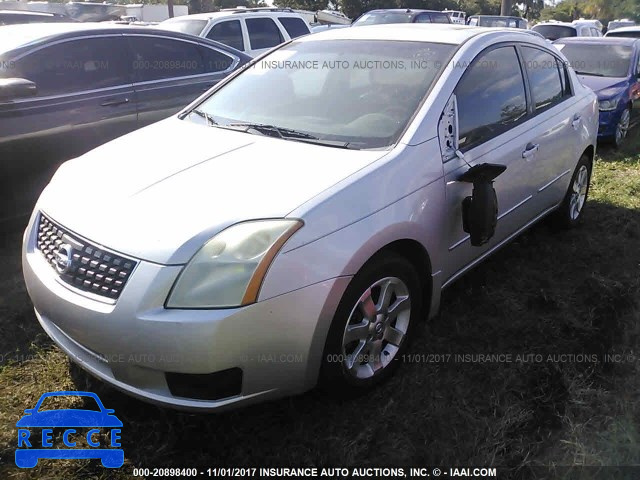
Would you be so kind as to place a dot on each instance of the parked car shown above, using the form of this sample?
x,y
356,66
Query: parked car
x,y
250,30
615,24
554,30
497,21
251,260
14,17
610,67
322,28
628,32
400,15
67,88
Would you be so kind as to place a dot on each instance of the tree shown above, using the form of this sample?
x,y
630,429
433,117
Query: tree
x,y
312,5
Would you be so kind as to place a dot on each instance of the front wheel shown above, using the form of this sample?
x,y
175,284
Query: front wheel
x,y
570,212
372,325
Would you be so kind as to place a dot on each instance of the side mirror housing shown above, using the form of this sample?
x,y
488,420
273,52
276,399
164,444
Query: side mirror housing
x,y
12,88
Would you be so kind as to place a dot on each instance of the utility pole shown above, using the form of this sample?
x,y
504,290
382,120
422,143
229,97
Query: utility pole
x,y
506,7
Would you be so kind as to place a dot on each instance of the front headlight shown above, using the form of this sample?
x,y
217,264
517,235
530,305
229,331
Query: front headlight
x,y
608,105
228,270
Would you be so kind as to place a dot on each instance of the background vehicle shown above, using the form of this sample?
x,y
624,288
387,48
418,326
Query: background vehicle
x,y
615,24
14,17
497,21
398,15
262,238
330,26
68,88
611,68
457,16
253,31
628,32
555,30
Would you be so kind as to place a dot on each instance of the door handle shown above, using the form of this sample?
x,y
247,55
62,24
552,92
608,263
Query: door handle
x,y
113,102
531,149
576,121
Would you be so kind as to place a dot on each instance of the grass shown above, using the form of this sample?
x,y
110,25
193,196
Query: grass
x,y
547,294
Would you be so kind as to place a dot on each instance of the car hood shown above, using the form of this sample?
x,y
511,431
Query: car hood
x,y
160,193
69,418
605,87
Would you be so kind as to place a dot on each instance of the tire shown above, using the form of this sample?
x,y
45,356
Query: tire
x,y
379,339
571,210
622,128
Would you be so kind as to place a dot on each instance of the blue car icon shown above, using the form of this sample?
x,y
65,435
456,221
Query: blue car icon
x,y
69,419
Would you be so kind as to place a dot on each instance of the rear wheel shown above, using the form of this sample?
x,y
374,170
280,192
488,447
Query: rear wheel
x,y
372,325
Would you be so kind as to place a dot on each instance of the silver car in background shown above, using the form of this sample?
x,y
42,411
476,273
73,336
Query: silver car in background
x,y
310,215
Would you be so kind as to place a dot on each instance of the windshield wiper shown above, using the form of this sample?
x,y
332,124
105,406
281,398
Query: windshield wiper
x,y
205,115
280,131
590,74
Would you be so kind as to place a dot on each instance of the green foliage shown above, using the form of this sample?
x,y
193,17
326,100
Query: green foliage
x,y
603,10
311,5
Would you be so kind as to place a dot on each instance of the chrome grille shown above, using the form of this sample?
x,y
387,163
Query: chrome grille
x,y
82,264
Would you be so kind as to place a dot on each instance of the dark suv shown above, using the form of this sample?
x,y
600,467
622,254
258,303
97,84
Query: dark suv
x,y
398,15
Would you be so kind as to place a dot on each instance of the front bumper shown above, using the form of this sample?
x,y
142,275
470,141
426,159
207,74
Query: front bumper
x,y
608,122
277,343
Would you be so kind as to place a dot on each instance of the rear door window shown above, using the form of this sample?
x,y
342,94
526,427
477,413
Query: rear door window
x,y
263,33
158,58
228,32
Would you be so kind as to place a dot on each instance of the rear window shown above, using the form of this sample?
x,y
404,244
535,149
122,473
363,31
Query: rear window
x,y
635,34
598,60
440,18
295,27
554,32
377,18
192,27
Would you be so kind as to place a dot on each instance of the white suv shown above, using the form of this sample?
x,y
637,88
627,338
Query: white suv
x,y
250,30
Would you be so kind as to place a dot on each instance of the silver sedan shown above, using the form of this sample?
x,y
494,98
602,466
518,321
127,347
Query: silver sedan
x,y
291,227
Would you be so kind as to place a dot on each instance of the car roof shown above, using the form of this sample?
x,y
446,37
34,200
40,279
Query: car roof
x,y
418,32
234,13
14,37
600,40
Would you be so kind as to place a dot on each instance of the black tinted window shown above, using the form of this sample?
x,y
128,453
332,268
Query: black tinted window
x,y
423,18
634,34
155,58
229,33
215,61
554,32
295,27
263,33
440,18
491,97
544,77
75,66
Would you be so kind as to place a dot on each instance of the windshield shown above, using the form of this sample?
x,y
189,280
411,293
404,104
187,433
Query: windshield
x,y
554,32
598,60
359,92
192,27
627,34
376,18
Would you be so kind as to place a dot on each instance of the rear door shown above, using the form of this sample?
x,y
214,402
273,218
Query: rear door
x,y
555,125
170,73
492,107
84,98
